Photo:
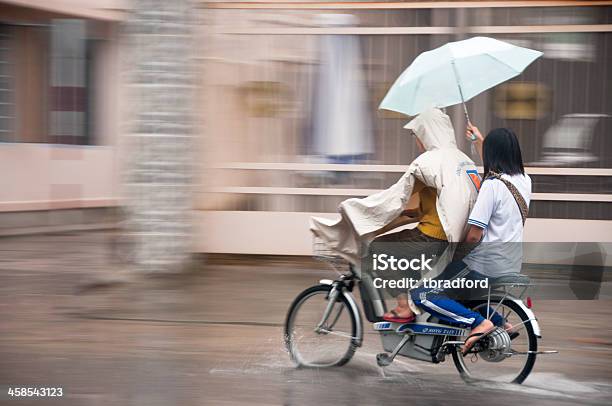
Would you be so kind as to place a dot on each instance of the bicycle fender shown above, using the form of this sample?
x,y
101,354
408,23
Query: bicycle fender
x,y
533,320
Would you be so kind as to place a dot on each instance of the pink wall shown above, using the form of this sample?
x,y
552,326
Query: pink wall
x,y
43,176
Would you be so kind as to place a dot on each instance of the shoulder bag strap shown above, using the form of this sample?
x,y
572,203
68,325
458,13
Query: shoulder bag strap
x,y
523,208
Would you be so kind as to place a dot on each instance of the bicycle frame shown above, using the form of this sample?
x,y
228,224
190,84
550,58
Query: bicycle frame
x,y
415,339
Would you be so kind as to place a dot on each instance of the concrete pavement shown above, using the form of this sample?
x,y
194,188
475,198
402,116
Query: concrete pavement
x,y
214,337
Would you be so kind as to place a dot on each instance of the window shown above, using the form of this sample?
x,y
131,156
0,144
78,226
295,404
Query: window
x,y
7,117
45,82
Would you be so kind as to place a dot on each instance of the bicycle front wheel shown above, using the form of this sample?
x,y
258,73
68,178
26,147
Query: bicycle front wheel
x,y
312,343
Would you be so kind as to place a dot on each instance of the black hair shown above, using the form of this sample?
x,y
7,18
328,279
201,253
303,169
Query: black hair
x,y
501,153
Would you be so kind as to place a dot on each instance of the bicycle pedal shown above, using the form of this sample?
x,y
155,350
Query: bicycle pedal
x,y
383,359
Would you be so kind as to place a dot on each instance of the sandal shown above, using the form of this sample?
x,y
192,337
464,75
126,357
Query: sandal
x,y
397,319
466,348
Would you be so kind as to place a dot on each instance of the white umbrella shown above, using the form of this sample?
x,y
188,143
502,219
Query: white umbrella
x,y
456,72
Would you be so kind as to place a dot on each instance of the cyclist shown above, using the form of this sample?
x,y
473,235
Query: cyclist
x,y
427,238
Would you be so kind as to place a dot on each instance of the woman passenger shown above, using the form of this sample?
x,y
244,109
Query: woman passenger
x,y
496,222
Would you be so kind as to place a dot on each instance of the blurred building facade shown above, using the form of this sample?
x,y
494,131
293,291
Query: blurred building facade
x,y
263,63
59,121
261,67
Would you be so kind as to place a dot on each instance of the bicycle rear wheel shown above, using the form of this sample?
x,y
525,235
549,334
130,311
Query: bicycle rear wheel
x,y
516,367
332,344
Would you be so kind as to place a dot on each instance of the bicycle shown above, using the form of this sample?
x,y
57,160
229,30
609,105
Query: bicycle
x,y
324,327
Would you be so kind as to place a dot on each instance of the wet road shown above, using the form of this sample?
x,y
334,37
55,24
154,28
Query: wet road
x,y
214,338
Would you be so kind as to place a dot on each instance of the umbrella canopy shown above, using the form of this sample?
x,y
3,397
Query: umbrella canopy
x,y
456,72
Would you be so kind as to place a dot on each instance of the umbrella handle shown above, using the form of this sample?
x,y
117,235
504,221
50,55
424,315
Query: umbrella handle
x,y
467,116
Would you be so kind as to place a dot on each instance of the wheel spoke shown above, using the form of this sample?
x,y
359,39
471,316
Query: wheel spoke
x,y
337,333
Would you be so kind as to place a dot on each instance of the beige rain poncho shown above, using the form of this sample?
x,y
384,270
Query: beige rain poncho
x,y
443,167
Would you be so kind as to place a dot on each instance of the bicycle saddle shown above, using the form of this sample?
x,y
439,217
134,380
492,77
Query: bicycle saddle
x,y
514,279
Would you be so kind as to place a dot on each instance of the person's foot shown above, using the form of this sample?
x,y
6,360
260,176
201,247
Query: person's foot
x,y
509,329
400,313
476,333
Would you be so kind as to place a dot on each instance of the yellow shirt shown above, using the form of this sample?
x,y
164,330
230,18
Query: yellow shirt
x,y
430,222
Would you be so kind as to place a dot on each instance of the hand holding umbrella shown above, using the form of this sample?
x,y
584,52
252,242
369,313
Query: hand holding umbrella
x,y
473,134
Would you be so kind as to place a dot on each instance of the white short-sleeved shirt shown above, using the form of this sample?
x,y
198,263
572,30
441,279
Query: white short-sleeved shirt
x,y
498,214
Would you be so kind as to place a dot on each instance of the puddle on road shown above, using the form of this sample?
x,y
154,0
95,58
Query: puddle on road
x,y
257,362
558,382
553,385
416,375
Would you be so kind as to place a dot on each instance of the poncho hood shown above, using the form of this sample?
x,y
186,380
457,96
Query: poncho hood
x,y
434,129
